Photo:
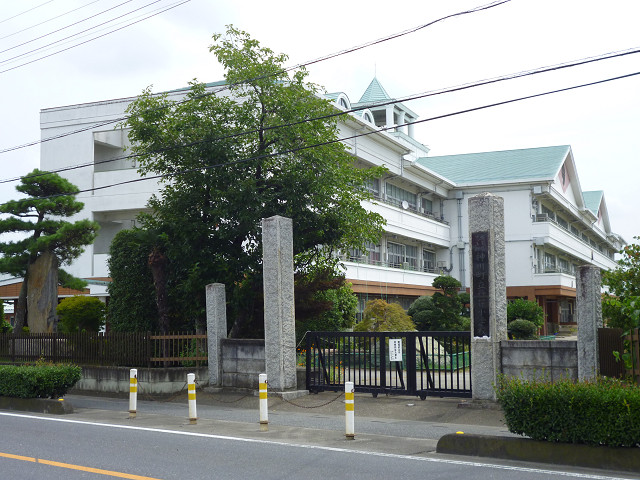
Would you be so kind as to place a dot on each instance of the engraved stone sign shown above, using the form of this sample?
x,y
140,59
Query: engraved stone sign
x,y
480,272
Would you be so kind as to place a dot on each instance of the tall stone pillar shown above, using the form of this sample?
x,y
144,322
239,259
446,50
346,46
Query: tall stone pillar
x,y
279,309
216,330
488,292
589,313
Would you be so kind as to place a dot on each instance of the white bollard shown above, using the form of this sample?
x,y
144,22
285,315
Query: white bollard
x,y
191,389
133,392
264,405
349,412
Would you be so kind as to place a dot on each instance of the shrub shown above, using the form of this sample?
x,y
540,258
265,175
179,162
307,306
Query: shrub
x,y
523,330
5,327
602,412
525,310
80,313
380,316
38,381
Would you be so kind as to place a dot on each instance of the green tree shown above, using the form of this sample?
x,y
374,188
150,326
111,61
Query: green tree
x,y
324,302
52,242
521,309
621,304
231,163
131,305
380,316
443,311
81,313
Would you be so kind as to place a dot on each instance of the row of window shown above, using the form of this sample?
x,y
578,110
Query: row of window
x,y
550,215
398,255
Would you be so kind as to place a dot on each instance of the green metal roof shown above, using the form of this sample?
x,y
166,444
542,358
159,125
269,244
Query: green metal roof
x,y
374,93
542,163
592,200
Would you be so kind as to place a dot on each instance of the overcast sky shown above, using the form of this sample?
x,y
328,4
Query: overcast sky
x,y
601,123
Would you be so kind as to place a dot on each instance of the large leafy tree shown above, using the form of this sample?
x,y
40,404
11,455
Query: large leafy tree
x,y
621,305
45,237
232,160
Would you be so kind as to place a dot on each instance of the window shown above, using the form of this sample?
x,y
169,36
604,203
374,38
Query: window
x,y
562,222
343,103
549,262
398,195
427,205
373,186
428,261
371,255
395,254
548,212
411,256
563,265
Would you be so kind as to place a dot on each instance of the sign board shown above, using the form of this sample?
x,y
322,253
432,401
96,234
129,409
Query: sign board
x,y
395,349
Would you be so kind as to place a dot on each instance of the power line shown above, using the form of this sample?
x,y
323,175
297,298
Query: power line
x,y
49,20
26,11
59,30
343,139
300,65
409,98
95,38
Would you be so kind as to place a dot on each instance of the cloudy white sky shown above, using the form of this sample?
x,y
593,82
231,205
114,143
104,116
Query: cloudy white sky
x,y
601,123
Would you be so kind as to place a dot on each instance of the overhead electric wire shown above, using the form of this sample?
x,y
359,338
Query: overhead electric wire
x,y
63,28
26,11
343,139
95,38
75,34
300,65
49,19
409,98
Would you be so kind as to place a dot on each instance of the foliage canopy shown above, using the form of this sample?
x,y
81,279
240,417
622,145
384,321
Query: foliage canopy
x,y
443,311
380,316
81,313
621,306
269,148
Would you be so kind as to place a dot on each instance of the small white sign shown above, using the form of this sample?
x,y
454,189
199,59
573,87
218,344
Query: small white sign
x,y
395,349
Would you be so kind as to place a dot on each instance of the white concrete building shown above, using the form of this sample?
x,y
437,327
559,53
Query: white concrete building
x,y
551,225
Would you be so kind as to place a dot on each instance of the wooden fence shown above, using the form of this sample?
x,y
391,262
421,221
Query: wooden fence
x,y
112,349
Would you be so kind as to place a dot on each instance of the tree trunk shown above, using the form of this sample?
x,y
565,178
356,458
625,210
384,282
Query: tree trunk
x,y
42,298
21,306
158,262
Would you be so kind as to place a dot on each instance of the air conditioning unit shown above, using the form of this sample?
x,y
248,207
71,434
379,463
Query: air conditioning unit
x,y
542,217
405,265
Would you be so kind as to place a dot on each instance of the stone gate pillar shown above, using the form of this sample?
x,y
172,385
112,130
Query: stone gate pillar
x,y
216,330
279,308
488,292
589,319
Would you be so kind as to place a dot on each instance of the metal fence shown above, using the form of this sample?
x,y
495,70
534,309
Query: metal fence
x,y
409,363
633,343
610,341
112,349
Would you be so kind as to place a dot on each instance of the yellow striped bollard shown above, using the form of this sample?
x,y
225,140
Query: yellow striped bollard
x,y
133,392
264,405
191,389
349,412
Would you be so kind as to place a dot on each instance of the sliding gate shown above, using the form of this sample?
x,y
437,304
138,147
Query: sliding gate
x,y
402,363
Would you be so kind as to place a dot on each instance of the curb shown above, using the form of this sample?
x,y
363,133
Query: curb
x,y
625,459
36,405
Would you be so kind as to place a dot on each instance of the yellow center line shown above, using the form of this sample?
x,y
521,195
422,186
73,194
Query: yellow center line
x,y
77,467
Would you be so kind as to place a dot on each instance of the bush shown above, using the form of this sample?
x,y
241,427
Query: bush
x,y
522,330
525,310
38,381
80,313
380,316
5,327
603,412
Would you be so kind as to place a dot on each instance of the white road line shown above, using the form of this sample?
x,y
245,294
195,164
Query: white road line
x,y
317,447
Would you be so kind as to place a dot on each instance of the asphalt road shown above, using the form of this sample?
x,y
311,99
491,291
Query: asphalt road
x,y
72,447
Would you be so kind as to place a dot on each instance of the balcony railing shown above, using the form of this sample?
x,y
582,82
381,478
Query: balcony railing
x,y
400,266
411,208
543,217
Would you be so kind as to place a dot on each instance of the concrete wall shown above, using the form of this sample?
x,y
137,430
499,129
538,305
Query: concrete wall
x,y
540,359
153,381
242,361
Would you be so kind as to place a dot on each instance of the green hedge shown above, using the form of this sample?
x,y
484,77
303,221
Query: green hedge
x,y
602,412
37,381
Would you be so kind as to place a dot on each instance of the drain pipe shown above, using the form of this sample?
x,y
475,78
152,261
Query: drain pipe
x,y
460,245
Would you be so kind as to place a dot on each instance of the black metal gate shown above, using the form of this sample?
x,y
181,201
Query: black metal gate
x,y
422,363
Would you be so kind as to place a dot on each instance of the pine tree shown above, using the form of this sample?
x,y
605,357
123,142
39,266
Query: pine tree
x,y
48,241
